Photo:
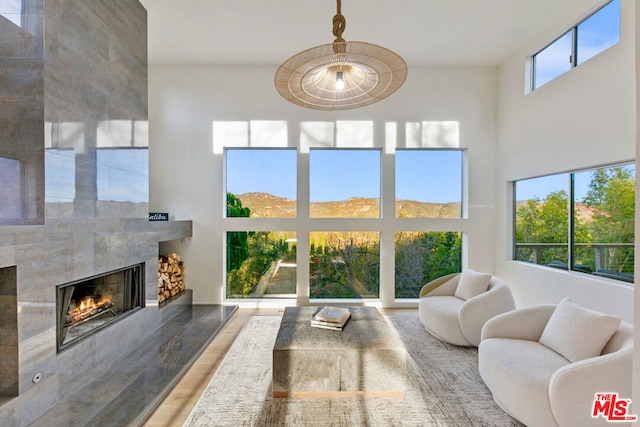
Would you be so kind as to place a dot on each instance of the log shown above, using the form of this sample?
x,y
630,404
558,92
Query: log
x,y
170,276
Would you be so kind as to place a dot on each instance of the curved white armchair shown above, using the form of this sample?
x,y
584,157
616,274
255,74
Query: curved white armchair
x,y
539,386
457,315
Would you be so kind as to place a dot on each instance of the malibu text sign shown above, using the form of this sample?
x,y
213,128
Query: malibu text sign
x,y
158,216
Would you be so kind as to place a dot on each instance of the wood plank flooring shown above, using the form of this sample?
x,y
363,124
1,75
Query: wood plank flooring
x,y
175,408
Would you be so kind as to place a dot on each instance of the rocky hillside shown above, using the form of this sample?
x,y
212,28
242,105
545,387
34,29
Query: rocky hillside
x,y
265,205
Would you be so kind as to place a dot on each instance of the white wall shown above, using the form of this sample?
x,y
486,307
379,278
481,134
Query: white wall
x,y
586,117
186,175
583,118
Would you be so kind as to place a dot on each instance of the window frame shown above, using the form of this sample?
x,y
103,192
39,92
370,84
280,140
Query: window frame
x,y
534,60
311,175
461,200
386,224
571,219
226,152
573,57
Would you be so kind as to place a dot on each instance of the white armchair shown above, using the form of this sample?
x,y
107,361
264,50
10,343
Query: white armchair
x,y
454,308
543,381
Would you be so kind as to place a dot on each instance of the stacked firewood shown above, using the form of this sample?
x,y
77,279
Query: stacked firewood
x,y
170,276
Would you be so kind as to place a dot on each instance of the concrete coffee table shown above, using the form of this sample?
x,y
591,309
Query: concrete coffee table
x,y
365,358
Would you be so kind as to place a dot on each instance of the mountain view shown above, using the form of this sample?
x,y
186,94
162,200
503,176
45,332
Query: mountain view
x,y
264,205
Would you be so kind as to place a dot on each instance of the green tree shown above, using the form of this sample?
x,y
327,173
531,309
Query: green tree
x,y
422,257
347,265
611,196
554,214
606,215
446,254
545,221
527,222
264,249
234,207
237,248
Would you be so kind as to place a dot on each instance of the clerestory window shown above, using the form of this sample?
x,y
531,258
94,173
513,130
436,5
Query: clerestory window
x,y
593,35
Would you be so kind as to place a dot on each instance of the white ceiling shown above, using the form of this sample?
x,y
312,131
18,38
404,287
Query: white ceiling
x,y
424,32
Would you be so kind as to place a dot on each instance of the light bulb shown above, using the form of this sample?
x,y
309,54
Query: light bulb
x,y
339,80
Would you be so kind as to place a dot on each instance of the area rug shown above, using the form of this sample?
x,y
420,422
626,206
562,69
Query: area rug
x,y
444,388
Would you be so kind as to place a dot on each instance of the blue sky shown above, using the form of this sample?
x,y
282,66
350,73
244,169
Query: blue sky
x,y
595,34
423,175
341,174
429,175
262,171
599,32
539,187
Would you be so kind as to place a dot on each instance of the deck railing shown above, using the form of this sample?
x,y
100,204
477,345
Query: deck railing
x,y
602,268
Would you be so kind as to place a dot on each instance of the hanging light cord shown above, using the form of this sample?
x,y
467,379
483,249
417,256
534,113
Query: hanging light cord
x,y
339,24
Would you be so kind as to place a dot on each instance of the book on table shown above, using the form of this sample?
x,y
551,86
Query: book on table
x,y
333,318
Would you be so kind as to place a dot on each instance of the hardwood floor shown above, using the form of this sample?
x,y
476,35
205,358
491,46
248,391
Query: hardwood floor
x,y
175,408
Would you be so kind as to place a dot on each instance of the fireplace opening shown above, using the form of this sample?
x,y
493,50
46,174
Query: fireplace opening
x,y
88,305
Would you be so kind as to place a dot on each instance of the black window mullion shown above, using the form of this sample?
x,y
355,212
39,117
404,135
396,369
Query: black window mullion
x,y
574,47
571,225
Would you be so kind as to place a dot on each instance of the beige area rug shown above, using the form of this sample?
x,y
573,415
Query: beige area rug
x,y
444,388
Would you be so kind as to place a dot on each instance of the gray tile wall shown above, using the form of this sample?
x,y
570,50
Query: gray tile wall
x,y
8,332
73,111
22,110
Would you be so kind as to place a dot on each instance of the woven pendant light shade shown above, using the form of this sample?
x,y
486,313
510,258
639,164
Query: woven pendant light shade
x,y
340,75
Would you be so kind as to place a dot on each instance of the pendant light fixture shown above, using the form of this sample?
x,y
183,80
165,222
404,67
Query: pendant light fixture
x,y
340,75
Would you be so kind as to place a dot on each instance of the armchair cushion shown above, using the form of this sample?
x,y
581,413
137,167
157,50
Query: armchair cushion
x,y
459,321
537,385
441,314
578,333
518,371
472,284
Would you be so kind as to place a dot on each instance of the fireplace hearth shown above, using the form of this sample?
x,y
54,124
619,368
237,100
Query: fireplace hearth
x,y
88,305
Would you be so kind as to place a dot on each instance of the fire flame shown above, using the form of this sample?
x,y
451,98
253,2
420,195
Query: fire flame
x,y
86,305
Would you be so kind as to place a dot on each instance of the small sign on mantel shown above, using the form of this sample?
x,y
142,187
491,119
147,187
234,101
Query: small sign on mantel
x,y
158,216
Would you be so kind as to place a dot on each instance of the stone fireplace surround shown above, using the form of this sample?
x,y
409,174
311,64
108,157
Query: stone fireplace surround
x,y
41,262
75,77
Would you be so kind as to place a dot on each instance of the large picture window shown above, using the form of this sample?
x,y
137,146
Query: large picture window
x,y
581,221
344,264
428,183
422,257
603,221
261,264
344,183
541,211
264,180
319,222
593,35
